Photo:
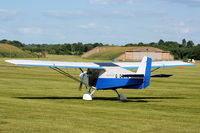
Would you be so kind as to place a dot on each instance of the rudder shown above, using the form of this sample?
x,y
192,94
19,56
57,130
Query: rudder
x,y
145,68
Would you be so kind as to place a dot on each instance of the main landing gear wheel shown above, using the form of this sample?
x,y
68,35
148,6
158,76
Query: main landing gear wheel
x,y
121,96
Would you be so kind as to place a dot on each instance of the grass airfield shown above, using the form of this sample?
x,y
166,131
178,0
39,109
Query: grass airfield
x,y
39,100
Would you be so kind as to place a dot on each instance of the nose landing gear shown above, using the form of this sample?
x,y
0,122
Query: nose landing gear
x,y
89,95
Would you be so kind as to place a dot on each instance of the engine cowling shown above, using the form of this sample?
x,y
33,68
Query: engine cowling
x,y
84,78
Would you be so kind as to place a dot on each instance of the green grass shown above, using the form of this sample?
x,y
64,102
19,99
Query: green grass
x,y
38,100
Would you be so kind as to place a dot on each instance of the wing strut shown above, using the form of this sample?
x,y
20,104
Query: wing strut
x,y
81,70
70,76
155,69
65,73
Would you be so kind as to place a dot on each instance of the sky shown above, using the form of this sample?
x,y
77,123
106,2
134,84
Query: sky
x,y
104,21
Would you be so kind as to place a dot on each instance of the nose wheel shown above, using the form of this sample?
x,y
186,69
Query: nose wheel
x,y
88,95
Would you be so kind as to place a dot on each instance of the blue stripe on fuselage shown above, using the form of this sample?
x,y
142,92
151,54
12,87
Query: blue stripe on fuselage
x,y
112,83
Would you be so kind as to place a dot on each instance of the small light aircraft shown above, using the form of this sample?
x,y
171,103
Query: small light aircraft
x,y
108,76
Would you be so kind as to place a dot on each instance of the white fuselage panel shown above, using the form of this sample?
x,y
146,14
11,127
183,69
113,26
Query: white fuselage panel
x,y
114,72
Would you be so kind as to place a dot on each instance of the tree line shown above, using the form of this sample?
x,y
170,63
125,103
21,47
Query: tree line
x,y
184,50
59,49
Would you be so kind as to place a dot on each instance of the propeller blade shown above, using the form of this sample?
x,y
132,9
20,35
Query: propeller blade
x,y
80,87
86,86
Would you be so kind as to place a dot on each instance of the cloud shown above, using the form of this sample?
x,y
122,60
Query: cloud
x,y
99,2
88,26
63,14
87,13
8,15
27,30
95,27
3,31
192,3
108,2
184,30
174,28
105,14
182,27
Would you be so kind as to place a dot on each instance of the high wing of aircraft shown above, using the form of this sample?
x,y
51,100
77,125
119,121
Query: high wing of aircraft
x,y
108,76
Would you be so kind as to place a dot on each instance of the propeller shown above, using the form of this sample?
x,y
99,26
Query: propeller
x,y
82,77
81,84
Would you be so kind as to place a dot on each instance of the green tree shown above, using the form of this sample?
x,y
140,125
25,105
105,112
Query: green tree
x,y
140,44
190,44
161,42
184,43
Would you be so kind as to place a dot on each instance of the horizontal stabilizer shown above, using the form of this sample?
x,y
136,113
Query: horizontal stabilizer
x,y
161,76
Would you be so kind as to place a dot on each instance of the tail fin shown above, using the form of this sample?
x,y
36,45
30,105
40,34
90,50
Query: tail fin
x,y
145,69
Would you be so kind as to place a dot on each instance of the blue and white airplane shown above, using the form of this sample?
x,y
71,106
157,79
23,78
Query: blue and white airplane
x,y
108,76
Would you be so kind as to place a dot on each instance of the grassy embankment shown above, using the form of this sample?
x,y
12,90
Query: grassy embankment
x,y
38,100
12,51
110,52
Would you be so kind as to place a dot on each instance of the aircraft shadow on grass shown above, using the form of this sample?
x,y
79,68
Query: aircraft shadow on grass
x,y
130,99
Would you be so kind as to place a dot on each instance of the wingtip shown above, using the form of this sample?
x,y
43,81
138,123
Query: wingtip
x,y
9,61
